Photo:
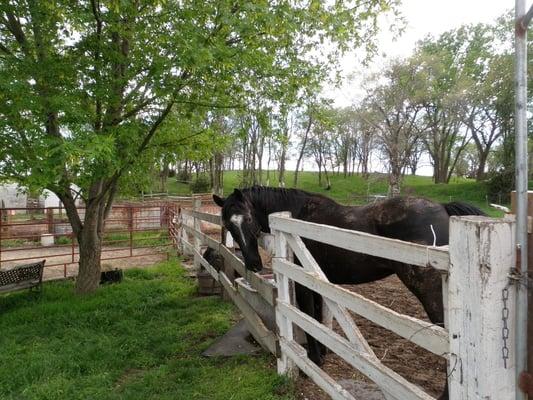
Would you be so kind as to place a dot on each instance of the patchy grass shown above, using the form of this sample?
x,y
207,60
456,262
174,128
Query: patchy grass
x,y
349,190
141,339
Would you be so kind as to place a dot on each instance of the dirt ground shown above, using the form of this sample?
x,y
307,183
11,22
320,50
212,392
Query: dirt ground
x,y
412,362
69,263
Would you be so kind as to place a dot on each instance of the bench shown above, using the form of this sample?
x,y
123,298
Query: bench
x,y
20,277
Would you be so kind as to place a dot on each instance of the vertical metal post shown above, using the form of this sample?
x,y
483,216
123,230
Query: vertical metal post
x,y
521,183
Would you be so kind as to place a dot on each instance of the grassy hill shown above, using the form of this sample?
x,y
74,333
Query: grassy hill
x,y
350,189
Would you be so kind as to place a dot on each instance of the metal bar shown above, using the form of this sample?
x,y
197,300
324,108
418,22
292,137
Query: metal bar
x,y
521,184
527,18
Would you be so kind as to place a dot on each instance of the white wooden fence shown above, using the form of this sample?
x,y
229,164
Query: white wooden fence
x,y
476,278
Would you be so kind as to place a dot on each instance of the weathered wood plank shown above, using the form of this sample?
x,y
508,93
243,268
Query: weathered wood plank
x,y
482,254
211,218
206,239
360,242
369,366
298,355
342,316
424,334
256,326
285,364
208,267
266,289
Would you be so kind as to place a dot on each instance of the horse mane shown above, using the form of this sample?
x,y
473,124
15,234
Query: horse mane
x,y
272,198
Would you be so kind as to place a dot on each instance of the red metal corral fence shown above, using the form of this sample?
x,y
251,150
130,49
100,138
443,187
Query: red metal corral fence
x,y
135,234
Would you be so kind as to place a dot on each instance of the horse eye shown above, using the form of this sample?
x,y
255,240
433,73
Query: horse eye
x,y
248,219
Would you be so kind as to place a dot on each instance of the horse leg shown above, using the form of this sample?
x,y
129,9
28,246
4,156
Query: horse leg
x,y
311,303
426,285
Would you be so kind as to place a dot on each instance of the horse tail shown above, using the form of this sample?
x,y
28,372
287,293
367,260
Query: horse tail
x,y
460,208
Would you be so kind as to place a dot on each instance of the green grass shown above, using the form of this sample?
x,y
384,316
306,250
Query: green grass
x,y
141,339
345,190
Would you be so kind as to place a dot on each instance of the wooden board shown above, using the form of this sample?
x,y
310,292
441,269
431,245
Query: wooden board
x,y
259,331
360,242
369,366
266,289
482,255
424,334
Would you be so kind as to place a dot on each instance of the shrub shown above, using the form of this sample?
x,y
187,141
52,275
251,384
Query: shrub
x,y
200,184
500,185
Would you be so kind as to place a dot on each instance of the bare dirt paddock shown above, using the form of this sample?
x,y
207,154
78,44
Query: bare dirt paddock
x,y
412,362
113,256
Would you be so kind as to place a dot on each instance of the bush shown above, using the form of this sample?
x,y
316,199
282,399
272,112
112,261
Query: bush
x,y
201,184
500,185
183,176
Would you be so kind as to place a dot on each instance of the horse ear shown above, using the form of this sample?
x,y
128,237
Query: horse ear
x,y
238,194
219,201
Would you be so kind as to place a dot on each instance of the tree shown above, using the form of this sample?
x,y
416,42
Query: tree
x,y
392,109
86,87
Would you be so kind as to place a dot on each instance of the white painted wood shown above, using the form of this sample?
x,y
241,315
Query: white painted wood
x,y
265,287
409,253
211,218
205,239
197,203
257,328
342,316
208,267
482,253
285,364
298,355
422,333
369,366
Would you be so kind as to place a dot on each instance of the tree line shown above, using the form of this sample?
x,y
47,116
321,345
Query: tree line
x,y
451,102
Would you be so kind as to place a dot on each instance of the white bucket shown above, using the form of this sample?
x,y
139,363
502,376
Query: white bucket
x,y
47,239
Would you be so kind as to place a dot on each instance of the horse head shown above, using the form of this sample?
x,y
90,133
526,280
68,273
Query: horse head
x,y
239,217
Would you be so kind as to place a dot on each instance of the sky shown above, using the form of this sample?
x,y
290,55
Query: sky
x,y
422,17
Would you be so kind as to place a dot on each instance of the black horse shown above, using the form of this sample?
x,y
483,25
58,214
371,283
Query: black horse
x,y
245,214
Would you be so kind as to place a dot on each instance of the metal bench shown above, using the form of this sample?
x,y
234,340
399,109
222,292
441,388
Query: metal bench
x,y
20,277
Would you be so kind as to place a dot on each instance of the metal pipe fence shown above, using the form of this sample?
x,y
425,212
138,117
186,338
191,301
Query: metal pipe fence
x,y
131,231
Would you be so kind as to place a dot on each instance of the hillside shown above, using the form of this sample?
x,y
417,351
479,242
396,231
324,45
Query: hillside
x,y
354,189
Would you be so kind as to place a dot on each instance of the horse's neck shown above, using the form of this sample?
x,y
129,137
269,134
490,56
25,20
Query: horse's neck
x,y
277,201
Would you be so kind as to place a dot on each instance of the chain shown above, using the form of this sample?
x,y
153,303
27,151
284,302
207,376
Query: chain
x,y
505,328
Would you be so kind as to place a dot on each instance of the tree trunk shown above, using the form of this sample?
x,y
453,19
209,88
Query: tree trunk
x,y
302,151
90,239
480,173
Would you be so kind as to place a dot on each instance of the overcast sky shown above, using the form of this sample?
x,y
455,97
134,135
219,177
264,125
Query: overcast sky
x,y
422,17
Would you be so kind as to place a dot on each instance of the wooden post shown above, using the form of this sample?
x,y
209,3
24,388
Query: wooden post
x,y
281,250
197,203
482,254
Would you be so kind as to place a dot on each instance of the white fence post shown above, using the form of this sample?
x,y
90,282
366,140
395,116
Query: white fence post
x,y
197,203
281,250
482,254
